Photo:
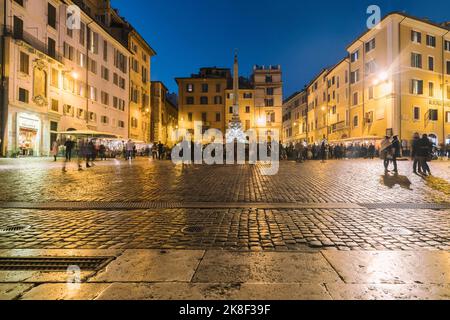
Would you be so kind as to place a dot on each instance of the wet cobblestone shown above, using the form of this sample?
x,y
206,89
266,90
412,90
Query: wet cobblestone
x,y
255,230
350,181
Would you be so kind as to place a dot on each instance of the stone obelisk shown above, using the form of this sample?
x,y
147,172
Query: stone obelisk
x,y
235,132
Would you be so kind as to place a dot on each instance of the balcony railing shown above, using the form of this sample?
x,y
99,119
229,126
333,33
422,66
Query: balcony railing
x,y
33,42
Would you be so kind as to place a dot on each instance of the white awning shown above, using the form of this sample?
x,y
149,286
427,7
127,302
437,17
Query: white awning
x,y
91,133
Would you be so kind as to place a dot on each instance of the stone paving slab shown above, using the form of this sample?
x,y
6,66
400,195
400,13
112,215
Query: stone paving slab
x,y
339,291
214,291
10,291
232,267
151,266
179,274
59,291
421,267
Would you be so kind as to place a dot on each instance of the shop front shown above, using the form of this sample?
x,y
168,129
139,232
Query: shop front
x,y
29,133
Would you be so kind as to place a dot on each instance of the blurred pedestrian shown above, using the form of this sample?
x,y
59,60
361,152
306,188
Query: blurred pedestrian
x,y
54,151
385,153
396,152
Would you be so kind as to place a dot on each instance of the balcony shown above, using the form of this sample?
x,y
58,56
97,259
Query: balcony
x,y
32,41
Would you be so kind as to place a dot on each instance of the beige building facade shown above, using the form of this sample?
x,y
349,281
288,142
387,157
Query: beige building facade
x,y
394,81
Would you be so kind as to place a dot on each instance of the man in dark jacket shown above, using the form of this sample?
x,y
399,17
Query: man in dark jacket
x,y
395,152
414,156
423,151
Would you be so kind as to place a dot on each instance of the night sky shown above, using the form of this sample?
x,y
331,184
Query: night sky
x,y
302,36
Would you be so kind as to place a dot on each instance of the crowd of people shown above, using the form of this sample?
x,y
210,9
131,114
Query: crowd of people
x,y
90,150
390,150
302,151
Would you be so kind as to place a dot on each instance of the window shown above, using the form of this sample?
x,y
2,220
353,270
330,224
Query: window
x,y
354,77
55,105
371,92
92,117
120,61
247,109
203,100
55,78
189,87
416,60
81,59
417,86
433,115
371,67
190,100
23,95
269,102
51,47
269,79
104,119
370,45
416,37
19,2
248,95
354,56
204,87
105,98
269,91
18,28
92,93
204,116
448,92
447,117
447,45
92,65
218,87
369,117
355,121
69,52
355,98
51,21
431,89
105,73
431,63
68,110
82,34
24,63
230,110
93,41
416,113
105,50
217,100
448,67
190,116
431,41
218,117
121,124
134,122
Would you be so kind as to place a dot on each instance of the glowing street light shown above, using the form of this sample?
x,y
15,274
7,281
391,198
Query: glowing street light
x,y
74,75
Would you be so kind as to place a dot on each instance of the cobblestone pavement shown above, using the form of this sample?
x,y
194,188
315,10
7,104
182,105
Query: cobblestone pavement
x,y
247,229
350,181
231,229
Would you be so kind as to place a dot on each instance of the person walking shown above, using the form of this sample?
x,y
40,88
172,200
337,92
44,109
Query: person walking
x,y
54,151
396,152
160,150
371,151
385,153
102,152
129,149
414,155
424,154
323,150
69,144
154,151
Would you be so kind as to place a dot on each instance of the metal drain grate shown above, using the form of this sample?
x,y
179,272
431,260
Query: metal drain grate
x,y
400,231
193,229
14,229
52,263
